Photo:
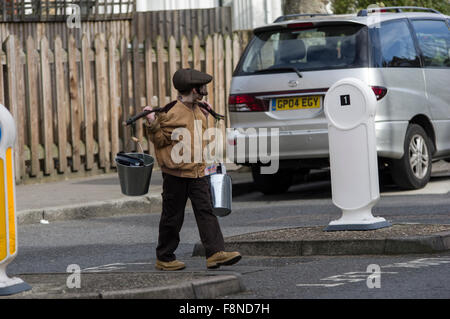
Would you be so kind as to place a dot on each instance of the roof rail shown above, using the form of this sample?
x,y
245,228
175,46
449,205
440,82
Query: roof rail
x,y
364,12
284,18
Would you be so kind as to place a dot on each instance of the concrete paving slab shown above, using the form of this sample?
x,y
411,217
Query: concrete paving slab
x,y
126,285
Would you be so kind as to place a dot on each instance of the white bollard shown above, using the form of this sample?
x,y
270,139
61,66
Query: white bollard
x,y
350,107
8,220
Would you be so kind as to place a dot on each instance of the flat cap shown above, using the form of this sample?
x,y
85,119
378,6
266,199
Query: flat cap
x,y
187,79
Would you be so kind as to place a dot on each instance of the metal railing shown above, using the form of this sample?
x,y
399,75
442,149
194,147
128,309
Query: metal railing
x,y
60,10
364,12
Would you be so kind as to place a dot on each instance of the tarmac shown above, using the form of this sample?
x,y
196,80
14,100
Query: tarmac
x,y
100,196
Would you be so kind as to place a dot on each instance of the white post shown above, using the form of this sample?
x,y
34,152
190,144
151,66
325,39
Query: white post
x,y
8,219
350,107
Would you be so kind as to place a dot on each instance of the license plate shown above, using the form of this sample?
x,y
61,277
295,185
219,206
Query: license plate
x,y
296,103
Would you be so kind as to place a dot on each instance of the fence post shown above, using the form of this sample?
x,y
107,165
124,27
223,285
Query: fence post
x,y
196,53
32,101
47,106
125,91
61,105
184,52
209,57
160,54
148,71
172,65
20,116
102,101
88,103
74,103
113,97
11,56
137,89
149,87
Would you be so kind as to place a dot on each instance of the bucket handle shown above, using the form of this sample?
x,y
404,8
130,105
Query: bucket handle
x,y
123,155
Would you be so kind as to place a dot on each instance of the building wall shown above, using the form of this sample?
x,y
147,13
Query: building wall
x,y
151,5
247,14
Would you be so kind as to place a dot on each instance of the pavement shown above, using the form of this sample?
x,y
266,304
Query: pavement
x,y
100,196
130,285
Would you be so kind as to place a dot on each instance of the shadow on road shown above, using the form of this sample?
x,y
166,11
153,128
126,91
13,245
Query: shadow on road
x,y
317,185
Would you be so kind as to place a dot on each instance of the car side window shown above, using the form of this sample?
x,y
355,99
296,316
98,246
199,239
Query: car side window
x,y
434,42
397,45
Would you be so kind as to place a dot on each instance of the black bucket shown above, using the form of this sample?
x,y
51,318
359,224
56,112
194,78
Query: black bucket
x,y
135,172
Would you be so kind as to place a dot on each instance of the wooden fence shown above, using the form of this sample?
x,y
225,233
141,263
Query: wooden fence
x,y
38,30
69,103
143,25
189,22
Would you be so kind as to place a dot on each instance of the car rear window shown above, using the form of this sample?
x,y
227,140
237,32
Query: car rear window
x,y
306,49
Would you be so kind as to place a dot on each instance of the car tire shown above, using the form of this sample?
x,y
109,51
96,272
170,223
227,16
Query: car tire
x,y
413,170
270,184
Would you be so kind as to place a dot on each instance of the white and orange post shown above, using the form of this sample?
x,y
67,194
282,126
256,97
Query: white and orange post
x,y
8,219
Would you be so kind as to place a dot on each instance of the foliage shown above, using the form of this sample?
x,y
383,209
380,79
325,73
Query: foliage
x,y
352,6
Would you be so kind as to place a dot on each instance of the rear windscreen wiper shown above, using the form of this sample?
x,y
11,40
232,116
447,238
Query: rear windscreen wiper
x,y
287,68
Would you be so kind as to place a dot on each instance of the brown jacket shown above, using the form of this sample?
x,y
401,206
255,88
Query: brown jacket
x,y
160,133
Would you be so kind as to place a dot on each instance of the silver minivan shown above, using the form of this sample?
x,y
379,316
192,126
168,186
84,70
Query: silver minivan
x,y
288,66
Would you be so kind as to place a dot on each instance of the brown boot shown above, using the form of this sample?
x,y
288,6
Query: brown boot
x,y
223,258
170,265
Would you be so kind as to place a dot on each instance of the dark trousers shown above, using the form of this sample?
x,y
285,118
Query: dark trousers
x,y
176,191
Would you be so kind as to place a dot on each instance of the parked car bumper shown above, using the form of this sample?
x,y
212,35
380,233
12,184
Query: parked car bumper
x,y
244,145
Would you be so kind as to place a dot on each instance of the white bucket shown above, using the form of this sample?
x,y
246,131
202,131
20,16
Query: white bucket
x,y
221,192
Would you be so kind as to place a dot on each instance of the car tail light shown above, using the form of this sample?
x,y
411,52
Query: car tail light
x,y
379,91
247,103
300,25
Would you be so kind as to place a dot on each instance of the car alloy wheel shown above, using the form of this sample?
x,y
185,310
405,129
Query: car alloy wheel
x,y
418,156
413,170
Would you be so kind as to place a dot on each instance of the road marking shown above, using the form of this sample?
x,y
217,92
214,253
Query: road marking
x,y
420,263
348,277
320,285
111,267
352,277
